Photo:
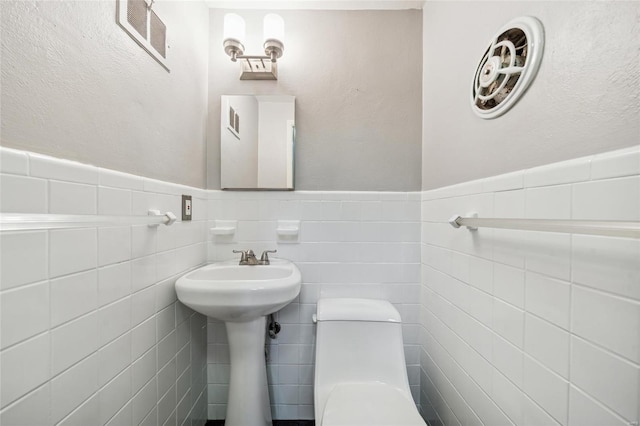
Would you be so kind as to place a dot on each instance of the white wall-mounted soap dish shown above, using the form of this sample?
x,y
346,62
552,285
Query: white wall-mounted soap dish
x,y
288,229
224,227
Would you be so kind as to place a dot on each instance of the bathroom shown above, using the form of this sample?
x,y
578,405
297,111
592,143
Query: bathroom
x,y
499,326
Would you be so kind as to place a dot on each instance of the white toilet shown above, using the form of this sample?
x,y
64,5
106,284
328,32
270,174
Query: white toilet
x,y
361,376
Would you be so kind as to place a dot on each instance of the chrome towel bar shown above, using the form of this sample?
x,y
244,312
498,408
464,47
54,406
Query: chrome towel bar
x,y
626,229
32,222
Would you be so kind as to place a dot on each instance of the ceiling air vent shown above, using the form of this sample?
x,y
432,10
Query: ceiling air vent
x,y
508,66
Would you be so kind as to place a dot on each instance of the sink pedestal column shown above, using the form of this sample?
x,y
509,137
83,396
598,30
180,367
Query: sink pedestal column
x,y
248,403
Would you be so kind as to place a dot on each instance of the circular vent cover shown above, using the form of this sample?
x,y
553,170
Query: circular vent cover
x,y
507,67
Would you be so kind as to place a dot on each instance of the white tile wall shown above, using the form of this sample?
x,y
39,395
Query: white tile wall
x,y
91,331
351,244
500,326
564,328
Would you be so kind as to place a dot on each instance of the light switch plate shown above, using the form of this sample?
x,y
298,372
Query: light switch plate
x,y
186,207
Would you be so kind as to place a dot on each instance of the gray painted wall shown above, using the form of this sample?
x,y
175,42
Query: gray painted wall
x,y
76,86
356,76
585,99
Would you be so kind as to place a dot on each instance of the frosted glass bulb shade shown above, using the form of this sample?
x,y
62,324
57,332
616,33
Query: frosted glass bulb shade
x,y
234,27
273,27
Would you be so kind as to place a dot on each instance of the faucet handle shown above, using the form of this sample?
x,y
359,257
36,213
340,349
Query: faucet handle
x,y
264,258
243,256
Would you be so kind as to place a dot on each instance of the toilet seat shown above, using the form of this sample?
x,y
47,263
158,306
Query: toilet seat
x,y
370,404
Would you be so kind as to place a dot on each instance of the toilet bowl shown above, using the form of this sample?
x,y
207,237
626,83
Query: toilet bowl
x,y
361,375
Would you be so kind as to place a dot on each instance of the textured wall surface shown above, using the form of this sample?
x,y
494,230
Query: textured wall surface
x,y
584,100
91,332
76,86
533,328
356,77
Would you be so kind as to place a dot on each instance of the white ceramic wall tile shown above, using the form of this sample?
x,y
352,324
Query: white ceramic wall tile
x,y
143,272
72,250
553,202
610,379
534,415
151,419
24,367
585,411
112,201
113,358
508,397
89,329
86,414
24,312
549,254
481,274
114,282
624,162
144,401
54,168
141,202
122,180
113,396
22,194
114,320
614,199
34,409
580,329
577,170
72,198
166,296
166,352
13,161
548,299
73,296
508,321
548,344
122,417
24,258
505,182
166,407
508,359
508,284
114,245
73,341
547,389
608,264
69,389
609,321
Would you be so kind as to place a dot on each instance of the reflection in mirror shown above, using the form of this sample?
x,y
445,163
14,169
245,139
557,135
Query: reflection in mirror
x,y
258,155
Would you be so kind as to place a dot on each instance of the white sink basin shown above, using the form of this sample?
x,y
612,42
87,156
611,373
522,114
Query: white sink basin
x,y
242,296
231,292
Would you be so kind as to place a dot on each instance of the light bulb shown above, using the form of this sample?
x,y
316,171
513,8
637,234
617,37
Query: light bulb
x,y
234,27
273,27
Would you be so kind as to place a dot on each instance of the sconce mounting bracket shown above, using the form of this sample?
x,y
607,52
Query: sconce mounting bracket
x,y
258,68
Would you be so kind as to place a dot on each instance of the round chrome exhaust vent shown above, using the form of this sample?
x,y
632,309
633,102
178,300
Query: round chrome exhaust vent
x,y
508,66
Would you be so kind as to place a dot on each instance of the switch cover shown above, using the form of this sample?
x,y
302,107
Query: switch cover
x,y
186,207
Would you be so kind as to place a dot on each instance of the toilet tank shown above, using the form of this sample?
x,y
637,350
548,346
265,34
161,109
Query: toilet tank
x,y
357,340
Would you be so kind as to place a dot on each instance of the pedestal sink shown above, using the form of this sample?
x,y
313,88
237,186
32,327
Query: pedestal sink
x,y
242,296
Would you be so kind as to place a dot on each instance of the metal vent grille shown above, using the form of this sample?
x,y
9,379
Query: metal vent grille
x,y
143,24
507,67
158,34
137,16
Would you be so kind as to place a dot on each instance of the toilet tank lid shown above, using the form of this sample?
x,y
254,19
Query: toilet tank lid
x,y
347,309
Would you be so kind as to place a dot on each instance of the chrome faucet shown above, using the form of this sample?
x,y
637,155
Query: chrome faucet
x,y
264,259
248,257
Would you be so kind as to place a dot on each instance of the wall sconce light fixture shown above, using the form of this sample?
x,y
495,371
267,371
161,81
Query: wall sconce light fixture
x,y
255,67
